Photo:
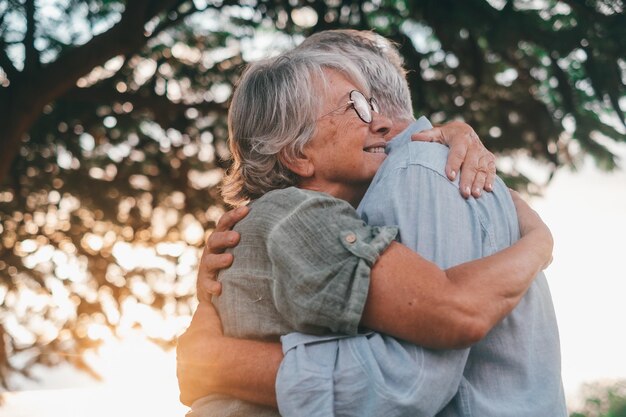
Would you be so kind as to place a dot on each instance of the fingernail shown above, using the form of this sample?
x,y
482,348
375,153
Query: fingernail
x,y
476,192
489,187
452,175
467,190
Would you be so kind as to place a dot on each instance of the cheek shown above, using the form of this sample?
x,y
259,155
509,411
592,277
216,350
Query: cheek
x,y
334,132
352,134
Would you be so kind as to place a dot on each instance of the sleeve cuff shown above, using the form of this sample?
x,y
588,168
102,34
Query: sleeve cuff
x,y
367,248
368,243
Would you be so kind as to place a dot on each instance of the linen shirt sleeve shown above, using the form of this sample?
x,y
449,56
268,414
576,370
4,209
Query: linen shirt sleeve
x,y
321,255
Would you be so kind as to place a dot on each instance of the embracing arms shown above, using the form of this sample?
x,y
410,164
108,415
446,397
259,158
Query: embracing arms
x,y
456,307
207,362
211,363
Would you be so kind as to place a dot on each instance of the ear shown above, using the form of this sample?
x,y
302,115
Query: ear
x,y
301,165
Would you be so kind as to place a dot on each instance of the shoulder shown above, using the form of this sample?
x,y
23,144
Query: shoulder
x,y
414,160
294,207
293,199
432,156
270,209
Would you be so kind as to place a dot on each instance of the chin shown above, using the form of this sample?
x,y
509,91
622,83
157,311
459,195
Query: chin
x,y
378,162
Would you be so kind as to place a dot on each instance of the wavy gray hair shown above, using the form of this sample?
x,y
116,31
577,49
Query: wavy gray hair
x,y
379,61
272,117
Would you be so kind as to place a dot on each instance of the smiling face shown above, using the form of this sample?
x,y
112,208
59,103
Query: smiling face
x,y
345,152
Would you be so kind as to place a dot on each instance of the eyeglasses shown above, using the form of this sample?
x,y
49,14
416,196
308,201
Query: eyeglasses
x,y
361,105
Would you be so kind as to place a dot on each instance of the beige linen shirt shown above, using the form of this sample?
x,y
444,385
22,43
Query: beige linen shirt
x,y
303,264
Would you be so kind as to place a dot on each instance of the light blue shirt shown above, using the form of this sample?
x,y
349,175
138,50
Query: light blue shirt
x,y
513,372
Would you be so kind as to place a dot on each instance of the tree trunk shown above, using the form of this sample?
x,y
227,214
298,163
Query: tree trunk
x,y
19,109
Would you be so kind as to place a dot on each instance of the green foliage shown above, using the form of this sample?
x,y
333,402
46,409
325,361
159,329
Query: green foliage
x,y
113,132
603,400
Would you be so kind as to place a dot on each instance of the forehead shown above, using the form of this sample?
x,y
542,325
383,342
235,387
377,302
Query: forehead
x,y
337,86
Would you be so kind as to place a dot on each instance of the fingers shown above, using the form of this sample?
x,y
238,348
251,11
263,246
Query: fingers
x,y
431,135
213,257
469,174
231,218
219,241
491,173
478,172
207,288
485,174
456,156
467,156
463,156
479,183
222,237
458,149
210,266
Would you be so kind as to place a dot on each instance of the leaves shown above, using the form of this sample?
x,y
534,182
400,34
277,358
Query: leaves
x,y
603,400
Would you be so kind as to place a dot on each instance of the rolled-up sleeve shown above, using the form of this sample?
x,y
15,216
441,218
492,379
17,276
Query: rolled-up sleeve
x,y
321,255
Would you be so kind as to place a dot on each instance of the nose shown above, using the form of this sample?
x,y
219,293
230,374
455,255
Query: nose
x,y
380,124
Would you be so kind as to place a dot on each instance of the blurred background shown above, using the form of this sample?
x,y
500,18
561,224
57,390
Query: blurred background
x,y
113,143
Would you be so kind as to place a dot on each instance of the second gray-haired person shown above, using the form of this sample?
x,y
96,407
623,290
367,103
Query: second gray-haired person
x,y
513,371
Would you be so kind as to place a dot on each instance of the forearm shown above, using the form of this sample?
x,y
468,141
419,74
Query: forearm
x,y
248,370
413,299
243,369
489,288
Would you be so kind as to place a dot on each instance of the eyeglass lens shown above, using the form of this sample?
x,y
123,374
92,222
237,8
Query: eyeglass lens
x,y
363,106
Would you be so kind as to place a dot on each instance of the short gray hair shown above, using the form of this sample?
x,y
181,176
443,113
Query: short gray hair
x,y
379,61
273,115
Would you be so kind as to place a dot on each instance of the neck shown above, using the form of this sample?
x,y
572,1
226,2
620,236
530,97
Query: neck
x,y
397,127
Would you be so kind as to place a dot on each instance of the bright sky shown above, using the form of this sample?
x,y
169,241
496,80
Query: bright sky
x,y
139,380
586,211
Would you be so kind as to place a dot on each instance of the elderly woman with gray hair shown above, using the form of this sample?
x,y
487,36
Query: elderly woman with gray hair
x,y
307,139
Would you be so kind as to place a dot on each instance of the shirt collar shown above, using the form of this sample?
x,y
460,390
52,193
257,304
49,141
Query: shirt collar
x,y
404,137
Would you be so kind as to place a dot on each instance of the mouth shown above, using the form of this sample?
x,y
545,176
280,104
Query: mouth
x,y
376,148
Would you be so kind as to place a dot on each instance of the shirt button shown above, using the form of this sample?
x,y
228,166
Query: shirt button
x,y
351,238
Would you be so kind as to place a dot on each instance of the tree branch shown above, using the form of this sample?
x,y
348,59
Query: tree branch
x,y
167,23
31,56
47,83
159,105
124,38
7,64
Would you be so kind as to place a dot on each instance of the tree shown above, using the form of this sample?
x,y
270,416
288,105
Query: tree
x,y
118,151
113,131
